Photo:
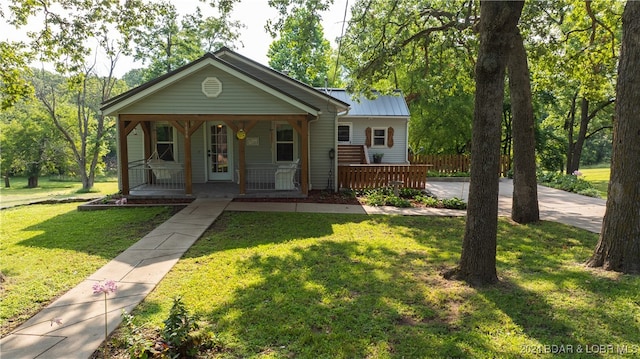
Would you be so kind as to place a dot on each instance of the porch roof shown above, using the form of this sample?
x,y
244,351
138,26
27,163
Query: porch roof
x,y
113,105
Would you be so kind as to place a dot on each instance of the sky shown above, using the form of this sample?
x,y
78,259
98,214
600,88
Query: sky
x,y
254,38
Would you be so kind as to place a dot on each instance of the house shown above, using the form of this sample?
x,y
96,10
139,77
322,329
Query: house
x,y
225,119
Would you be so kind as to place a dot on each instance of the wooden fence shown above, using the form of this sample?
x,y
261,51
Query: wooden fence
x,y
455,163
362,176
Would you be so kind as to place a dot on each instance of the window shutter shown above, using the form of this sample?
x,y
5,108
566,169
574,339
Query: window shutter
x,y
390,137
368,134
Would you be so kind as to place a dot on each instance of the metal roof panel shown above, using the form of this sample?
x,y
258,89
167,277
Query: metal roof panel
x,y
381,106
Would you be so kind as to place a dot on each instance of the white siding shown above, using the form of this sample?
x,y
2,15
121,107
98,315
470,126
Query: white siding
x,y
395,154
135,145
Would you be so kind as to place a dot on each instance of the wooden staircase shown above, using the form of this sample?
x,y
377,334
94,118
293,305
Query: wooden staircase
x,y
352,154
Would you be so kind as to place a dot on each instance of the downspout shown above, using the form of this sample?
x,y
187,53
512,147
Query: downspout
x,y
335,145
406,153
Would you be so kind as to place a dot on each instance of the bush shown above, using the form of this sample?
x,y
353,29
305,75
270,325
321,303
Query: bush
x,y
410,192
454,203
182,332
183,336
428,201
570,183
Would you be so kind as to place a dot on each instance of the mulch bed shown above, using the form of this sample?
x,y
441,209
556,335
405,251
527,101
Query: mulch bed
x,y
315,196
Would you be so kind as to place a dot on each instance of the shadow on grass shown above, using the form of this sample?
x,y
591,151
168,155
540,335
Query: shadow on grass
x,y
335,287
338,300
101,233
349,286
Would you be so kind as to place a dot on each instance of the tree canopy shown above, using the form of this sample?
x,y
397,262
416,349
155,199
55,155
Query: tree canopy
x,y
301,51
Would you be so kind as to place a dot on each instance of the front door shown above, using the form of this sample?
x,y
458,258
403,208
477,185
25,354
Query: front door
x,y
220,152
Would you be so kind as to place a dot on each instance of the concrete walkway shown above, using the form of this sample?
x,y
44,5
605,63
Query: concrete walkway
x,y
136,271
141,267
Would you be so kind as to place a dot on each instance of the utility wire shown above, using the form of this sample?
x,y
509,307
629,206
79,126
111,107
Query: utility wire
x,y
344,20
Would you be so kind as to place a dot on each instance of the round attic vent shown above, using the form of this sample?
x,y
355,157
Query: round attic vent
x,y
211,87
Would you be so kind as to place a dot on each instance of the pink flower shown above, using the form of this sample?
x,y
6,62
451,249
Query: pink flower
x,y
56,321
121,201
577,173
107,287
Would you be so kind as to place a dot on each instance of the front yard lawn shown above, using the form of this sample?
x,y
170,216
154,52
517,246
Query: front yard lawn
x,y
48,249
51,189
285,285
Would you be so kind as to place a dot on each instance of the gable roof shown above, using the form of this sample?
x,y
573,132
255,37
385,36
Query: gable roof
x,y
262,77
381,106
277,78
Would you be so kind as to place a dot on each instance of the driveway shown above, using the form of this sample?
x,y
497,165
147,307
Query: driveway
x,y
555,205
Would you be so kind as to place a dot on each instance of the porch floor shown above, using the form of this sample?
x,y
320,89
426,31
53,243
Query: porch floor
x,y
211,190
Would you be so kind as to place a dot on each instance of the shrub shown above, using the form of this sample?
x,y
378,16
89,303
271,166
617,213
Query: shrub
x,y
134,338
454,203
182,332
183,336
385,197
428,201
409,192
570,183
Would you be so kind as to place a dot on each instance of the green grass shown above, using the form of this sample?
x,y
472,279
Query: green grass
x,y
48,249
599,178
279,285
49,189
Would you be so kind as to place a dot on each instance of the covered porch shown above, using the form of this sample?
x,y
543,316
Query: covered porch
x,y
147,175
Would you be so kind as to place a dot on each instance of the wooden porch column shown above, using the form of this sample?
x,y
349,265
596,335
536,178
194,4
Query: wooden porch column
x,y
243,167
188,168
124,156
304,160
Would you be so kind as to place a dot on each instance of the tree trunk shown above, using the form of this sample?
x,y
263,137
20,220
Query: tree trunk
x,y
568,126
582,135
32,182
498,22
525,186
7,183
618,248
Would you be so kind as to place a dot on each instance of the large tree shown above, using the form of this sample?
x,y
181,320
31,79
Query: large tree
x,y
72,36
301,50
31,146
14,70
618,248
524,208
498,27
573,59
428,50
168,41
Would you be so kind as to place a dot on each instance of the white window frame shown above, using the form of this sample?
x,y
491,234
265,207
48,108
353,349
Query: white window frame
x,y
350,126
174,148
373,137
294,142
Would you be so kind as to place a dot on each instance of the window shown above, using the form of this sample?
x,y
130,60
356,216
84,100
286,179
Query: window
x,y
164,141
284,142
379,137
344,133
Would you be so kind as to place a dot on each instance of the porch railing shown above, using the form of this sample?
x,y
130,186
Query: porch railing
x,y
142,175
455,163
383,175
270,177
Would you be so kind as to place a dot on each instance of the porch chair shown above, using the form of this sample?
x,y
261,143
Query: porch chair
x,y
285,176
